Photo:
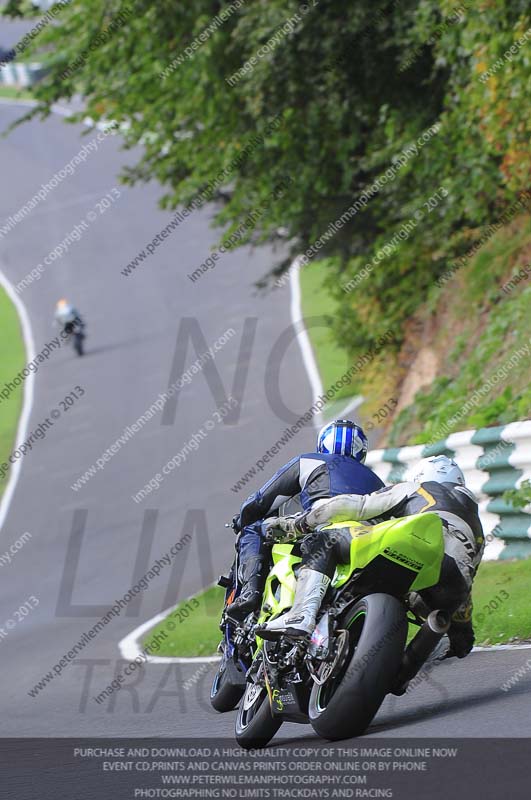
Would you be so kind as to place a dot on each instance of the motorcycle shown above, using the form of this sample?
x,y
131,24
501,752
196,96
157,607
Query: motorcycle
x,y
337,679
236,649
76,330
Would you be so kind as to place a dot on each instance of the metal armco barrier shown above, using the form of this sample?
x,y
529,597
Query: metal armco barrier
x,y
493,460
21,75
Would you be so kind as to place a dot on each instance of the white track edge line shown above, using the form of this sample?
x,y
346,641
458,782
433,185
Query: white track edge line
x,y
488,648
303,339
130,648
29,343
28,394
352,405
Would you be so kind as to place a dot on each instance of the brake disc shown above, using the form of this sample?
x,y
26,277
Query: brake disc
x,y
251,694
330,668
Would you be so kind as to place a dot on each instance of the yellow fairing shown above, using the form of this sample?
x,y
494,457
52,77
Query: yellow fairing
x,y
415,542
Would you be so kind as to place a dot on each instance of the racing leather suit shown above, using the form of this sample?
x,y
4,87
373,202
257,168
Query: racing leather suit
x,y
462,532
300,483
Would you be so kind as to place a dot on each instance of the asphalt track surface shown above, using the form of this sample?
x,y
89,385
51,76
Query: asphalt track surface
x,y
132,328
456,699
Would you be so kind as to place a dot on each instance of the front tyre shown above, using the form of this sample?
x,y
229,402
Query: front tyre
x,y
346,703
225,694
255,725
78,344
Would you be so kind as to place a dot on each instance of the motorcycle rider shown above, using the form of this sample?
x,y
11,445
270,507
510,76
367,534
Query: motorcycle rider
x,y
437,485
335,468
68,317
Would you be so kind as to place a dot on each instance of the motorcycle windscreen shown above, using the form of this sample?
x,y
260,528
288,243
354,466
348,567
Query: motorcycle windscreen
x,y
401,554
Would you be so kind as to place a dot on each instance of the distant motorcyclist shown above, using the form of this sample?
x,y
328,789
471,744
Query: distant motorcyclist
x,y
335,468
68,318
437,485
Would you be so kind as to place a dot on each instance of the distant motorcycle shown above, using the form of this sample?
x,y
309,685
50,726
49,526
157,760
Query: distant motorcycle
x,y
68,318
76,331
337,680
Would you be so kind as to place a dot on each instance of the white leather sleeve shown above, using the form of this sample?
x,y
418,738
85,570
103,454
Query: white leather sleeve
x,y
355,507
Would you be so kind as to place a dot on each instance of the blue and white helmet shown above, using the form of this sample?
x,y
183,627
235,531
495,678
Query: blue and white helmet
x,y
343,438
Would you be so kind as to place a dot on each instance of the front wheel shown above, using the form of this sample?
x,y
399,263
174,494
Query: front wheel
x,y
78,343
255,725
225,693
345,704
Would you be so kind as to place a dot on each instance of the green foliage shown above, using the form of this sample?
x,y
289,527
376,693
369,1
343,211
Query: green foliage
x,y
354,86
460,346
506,331
519,498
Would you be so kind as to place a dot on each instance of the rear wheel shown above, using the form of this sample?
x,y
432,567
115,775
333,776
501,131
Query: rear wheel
x,y
255,725
345,704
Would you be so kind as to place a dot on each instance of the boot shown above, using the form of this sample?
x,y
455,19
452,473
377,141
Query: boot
x,y
300,620
252,577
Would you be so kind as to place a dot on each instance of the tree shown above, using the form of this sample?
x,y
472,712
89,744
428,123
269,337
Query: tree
x,y
334,97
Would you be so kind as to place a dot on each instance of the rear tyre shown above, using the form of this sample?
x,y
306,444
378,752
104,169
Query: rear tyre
x,y
255,725
225,694
346,703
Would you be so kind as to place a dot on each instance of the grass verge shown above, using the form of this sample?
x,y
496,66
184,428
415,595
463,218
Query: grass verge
x,y
318,302
376,381
12,360
12,93
197,634
498,619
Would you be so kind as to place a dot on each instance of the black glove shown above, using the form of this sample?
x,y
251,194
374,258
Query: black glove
x,y
236,523
462,638
285,529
